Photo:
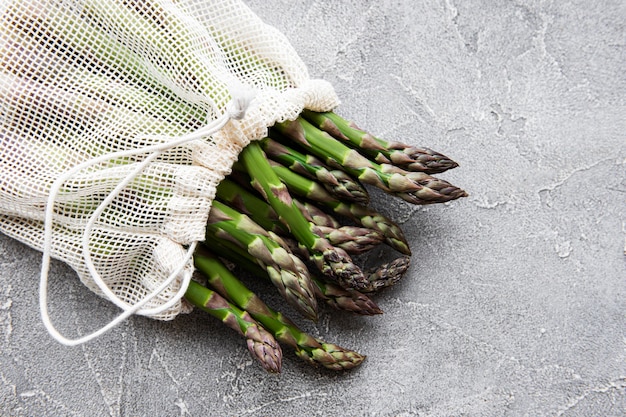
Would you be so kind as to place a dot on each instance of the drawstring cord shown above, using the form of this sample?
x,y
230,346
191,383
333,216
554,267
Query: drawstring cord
x,y
235,110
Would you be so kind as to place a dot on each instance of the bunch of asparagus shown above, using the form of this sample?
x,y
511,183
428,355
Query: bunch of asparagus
x,y
296,211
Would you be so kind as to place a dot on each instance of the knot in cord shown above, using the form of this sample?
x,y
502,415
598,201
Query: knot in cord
x,y
241,100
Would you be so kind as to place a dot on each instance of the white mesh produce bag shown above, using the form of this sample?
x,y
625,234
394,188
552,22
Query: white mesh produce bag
x,y
117,121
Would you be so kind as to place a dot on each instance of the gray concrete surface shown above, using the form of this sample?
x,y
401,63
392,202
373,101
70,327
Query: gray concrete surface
x,y
515,302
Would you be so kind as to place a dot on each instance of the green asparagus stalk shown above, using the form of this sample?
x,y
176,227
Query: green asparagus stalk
x,y
331,261
365,216
237,196
342,238
332,294
261,343
281,265
352,239
284,330
234,191
241,199
316,215
409,158
379,277
308,189
422,189
372,219
348,300
335,181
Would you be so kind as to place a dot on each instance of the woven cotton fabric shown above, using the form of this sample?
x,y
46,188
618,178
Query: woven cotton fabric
x,y
84,79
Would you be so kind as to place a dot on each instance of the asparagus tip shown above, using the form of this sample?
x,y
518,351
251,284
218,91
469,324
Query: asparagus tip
x,y
265,349
331,356
347,300
387,274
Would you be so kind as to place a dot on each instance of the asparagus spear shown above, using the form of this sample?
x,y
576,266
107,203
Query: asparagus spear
x,y
352,239
232,190
409,158
281,265
308,189
246,202
416,189
312,350
379,277
261,343
348,300
352,244
335,181
365,216
316,215
372,219
333,295
331,261
387,274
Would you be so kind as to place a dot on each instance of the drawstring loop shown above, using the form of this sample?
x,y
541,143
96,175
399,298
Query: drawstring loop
x,y
235,110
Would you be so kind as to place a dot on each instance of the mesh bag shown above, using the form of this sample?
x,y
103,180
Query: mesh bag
x,y
117,121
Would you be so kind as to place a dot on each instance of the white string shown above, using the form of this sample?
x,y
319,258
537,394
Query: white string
x,y
235,109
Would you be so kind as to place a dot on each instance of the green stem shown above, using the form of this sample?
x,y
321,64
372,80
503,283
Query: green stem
x,y
415,187
283,267
363,215
333,262
335,181
333,295
410,158
261,344
306,346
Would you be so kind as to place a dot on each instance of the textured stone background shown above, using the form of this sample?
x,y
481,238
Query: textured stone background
x,y
515,303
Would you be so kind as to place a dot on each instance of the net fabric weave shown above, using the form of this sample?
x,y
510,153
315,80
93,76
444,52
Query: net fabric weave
x,y
80,79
